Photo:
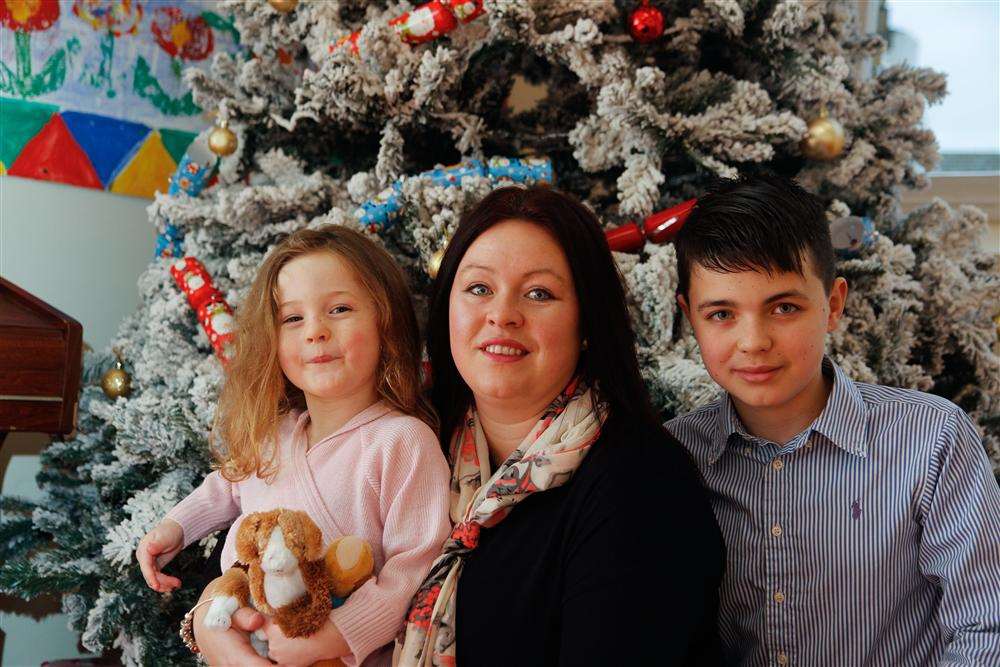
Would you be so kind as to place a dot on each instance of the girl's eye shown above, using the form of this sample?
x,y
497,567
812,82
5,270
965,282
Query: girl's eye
x,y
478,289
786,308
539,294
290,319
721,316
337,310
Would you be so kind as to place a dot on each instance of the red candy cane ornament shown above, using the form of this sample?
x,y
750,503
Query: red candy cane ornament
x,y
660,227
425,23
214,314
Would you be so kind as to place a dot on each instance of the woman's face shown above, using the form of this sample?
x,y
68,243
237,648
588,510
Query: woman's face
x,y
514,317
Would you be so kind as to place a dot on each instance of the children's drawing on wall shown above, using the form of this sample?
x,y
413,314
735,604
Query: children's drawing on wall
x,y
92,91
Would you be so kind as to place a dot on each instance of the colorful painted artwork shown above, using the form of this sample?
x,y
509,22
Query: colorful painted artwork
x,y
91,91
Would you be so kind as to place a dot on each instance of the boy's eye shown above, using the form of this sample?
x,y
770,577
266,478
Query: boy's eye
x,y
721,315
539,294
478,289
786,308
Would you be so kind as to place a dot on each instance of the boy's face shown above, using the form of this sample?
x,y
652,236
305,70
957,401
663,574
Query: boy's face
x,y
762,337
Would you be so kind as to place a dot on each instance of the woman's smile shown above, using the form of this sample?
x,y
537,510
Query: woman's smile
x,y
503,350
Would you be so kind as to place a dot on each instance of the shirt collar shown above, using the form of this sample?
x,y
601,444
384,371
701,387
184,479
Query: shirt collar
x,y
844,420
369,414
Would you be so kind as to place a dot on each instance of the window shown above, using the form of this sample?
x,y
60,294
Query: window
x,y
962,39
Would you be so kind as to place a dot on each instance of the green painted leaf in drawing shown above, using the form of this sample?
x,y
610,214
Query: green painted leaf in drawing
x,y
145,85
221,24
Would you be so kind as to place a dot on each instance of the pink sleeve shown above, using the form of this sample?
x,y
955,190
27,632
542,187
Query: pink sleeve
x,y
213,505
414,495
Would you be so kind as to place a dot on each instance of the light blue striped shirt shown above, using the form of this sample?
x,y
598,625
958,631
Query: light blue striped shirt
x,y
871,538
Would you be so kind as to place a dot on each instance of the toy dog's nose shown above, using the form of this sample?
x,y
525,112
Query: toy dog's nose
x,y
277,558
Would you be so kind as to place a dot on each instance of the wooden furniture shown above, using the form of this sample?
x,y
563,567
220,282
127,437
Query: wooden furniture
x,y
40,364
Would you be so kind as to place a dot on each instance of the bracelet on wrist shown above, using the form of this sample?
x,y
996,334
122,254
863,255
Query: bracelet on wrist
x,y
187,627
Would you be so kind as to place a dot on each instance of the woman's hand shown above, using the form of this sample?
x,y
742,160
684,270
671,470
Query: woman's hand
x,y
232,646
157,548
326,643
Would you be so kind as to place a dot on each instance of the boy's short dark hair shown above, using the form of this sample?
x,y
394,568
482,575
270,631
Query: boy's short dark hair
x,y
757,222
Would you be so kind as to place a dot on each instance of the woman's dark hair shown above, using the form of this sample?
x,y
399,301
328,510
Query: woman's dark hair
x,y
608,364
758,222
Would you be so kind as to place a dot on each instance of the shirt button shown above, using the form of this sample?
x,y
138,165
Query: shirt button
x,y
776,530
782,659
777,464
747,451
779,597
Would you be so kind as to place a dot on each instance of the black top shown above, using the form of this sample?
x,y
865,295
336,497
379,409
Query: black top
x,y
620,566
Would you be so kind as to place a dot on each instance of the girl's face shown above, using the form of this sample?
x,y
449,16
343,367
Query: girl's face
x,y
514,317
328,338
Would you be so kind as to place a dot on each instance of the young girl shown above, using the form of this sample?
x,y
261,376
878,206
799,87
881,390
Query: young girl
x,y
321,412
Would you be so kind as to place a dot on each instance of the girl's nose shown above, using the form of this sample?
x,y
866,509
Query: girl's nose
x,y
317,333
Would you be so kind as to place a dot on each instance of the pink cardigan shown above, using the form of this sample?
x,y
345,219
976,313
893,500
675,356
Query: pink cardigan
x,y
382,477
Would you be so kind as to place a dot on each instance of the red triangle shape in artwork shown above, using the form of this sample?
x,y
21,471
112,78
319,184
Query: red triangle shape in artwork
x,y
54,155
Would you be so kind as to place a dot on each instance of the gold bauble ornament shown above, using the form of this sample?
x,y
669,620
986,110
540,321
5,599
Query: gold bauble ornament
x,y
116,382
283,6
222,140
824,139
434,265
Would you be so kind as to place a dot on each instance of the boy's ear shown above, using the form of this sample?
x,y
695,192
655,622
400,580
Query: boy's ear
x,y
837,301
682,302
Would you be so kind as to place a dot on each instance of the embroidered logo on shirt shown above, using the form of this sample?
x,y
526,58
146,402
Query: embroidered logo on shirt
x,y
856,510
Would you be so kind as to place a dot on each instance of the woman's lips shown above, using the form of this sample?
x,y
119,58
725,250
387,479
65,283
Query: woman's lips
x,y
757,374
503,354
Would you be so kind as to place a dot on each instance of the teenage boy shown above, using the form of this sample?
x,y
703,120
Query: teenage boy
x,y
862,522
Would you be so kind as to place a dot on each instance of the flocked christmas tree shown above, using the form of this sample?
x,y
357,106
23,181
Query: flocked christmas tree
x,y
639,107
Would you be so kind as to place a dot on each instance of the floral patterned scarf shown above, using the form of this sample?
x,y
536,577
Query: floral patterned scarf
x,y
547,458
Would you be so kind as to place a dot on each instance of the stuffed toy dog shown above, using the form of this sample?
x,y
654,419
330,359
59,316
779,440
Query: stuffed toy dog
x,y
288,575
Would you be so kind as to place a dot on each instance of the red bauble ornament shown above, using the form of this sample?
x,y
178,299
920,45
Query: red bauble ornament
x,y
646,23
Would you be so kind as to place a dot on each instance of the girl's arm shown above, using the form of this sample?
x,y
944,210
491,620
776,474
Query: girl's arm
x,y
326,643
212,506
412,487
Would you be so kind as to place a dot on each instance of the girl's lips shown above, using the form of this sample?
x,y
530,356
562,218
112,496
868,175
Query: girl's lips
x,y
322,359
757,375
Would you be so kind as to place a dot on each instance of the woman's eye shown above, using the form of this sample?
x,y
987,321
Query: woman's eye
x,y
478,289
721,315
786,308
539,294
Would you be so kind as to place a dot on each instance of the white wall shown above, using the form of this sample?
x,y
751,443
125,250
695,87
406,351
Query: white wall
x,y
77,249
81,251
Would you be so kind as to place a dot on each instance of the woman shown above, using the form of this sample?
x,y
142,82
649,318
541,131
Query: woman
x,y
583,535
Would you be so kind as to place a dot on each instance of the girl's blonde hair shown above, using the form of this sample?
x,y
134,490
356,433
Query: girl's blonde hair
x,y
256,394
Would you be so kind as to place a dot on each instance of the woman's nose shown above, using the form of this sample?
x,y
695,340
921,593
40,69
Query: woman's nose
x,y
504,312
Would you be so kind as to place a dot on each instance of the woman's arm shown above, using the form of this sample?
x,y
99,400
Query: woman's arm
x,y
643,566
230,647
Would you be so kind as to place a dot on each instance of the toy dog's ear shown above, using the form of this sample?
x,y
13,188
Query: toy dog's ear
x,y
246,538
300,532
